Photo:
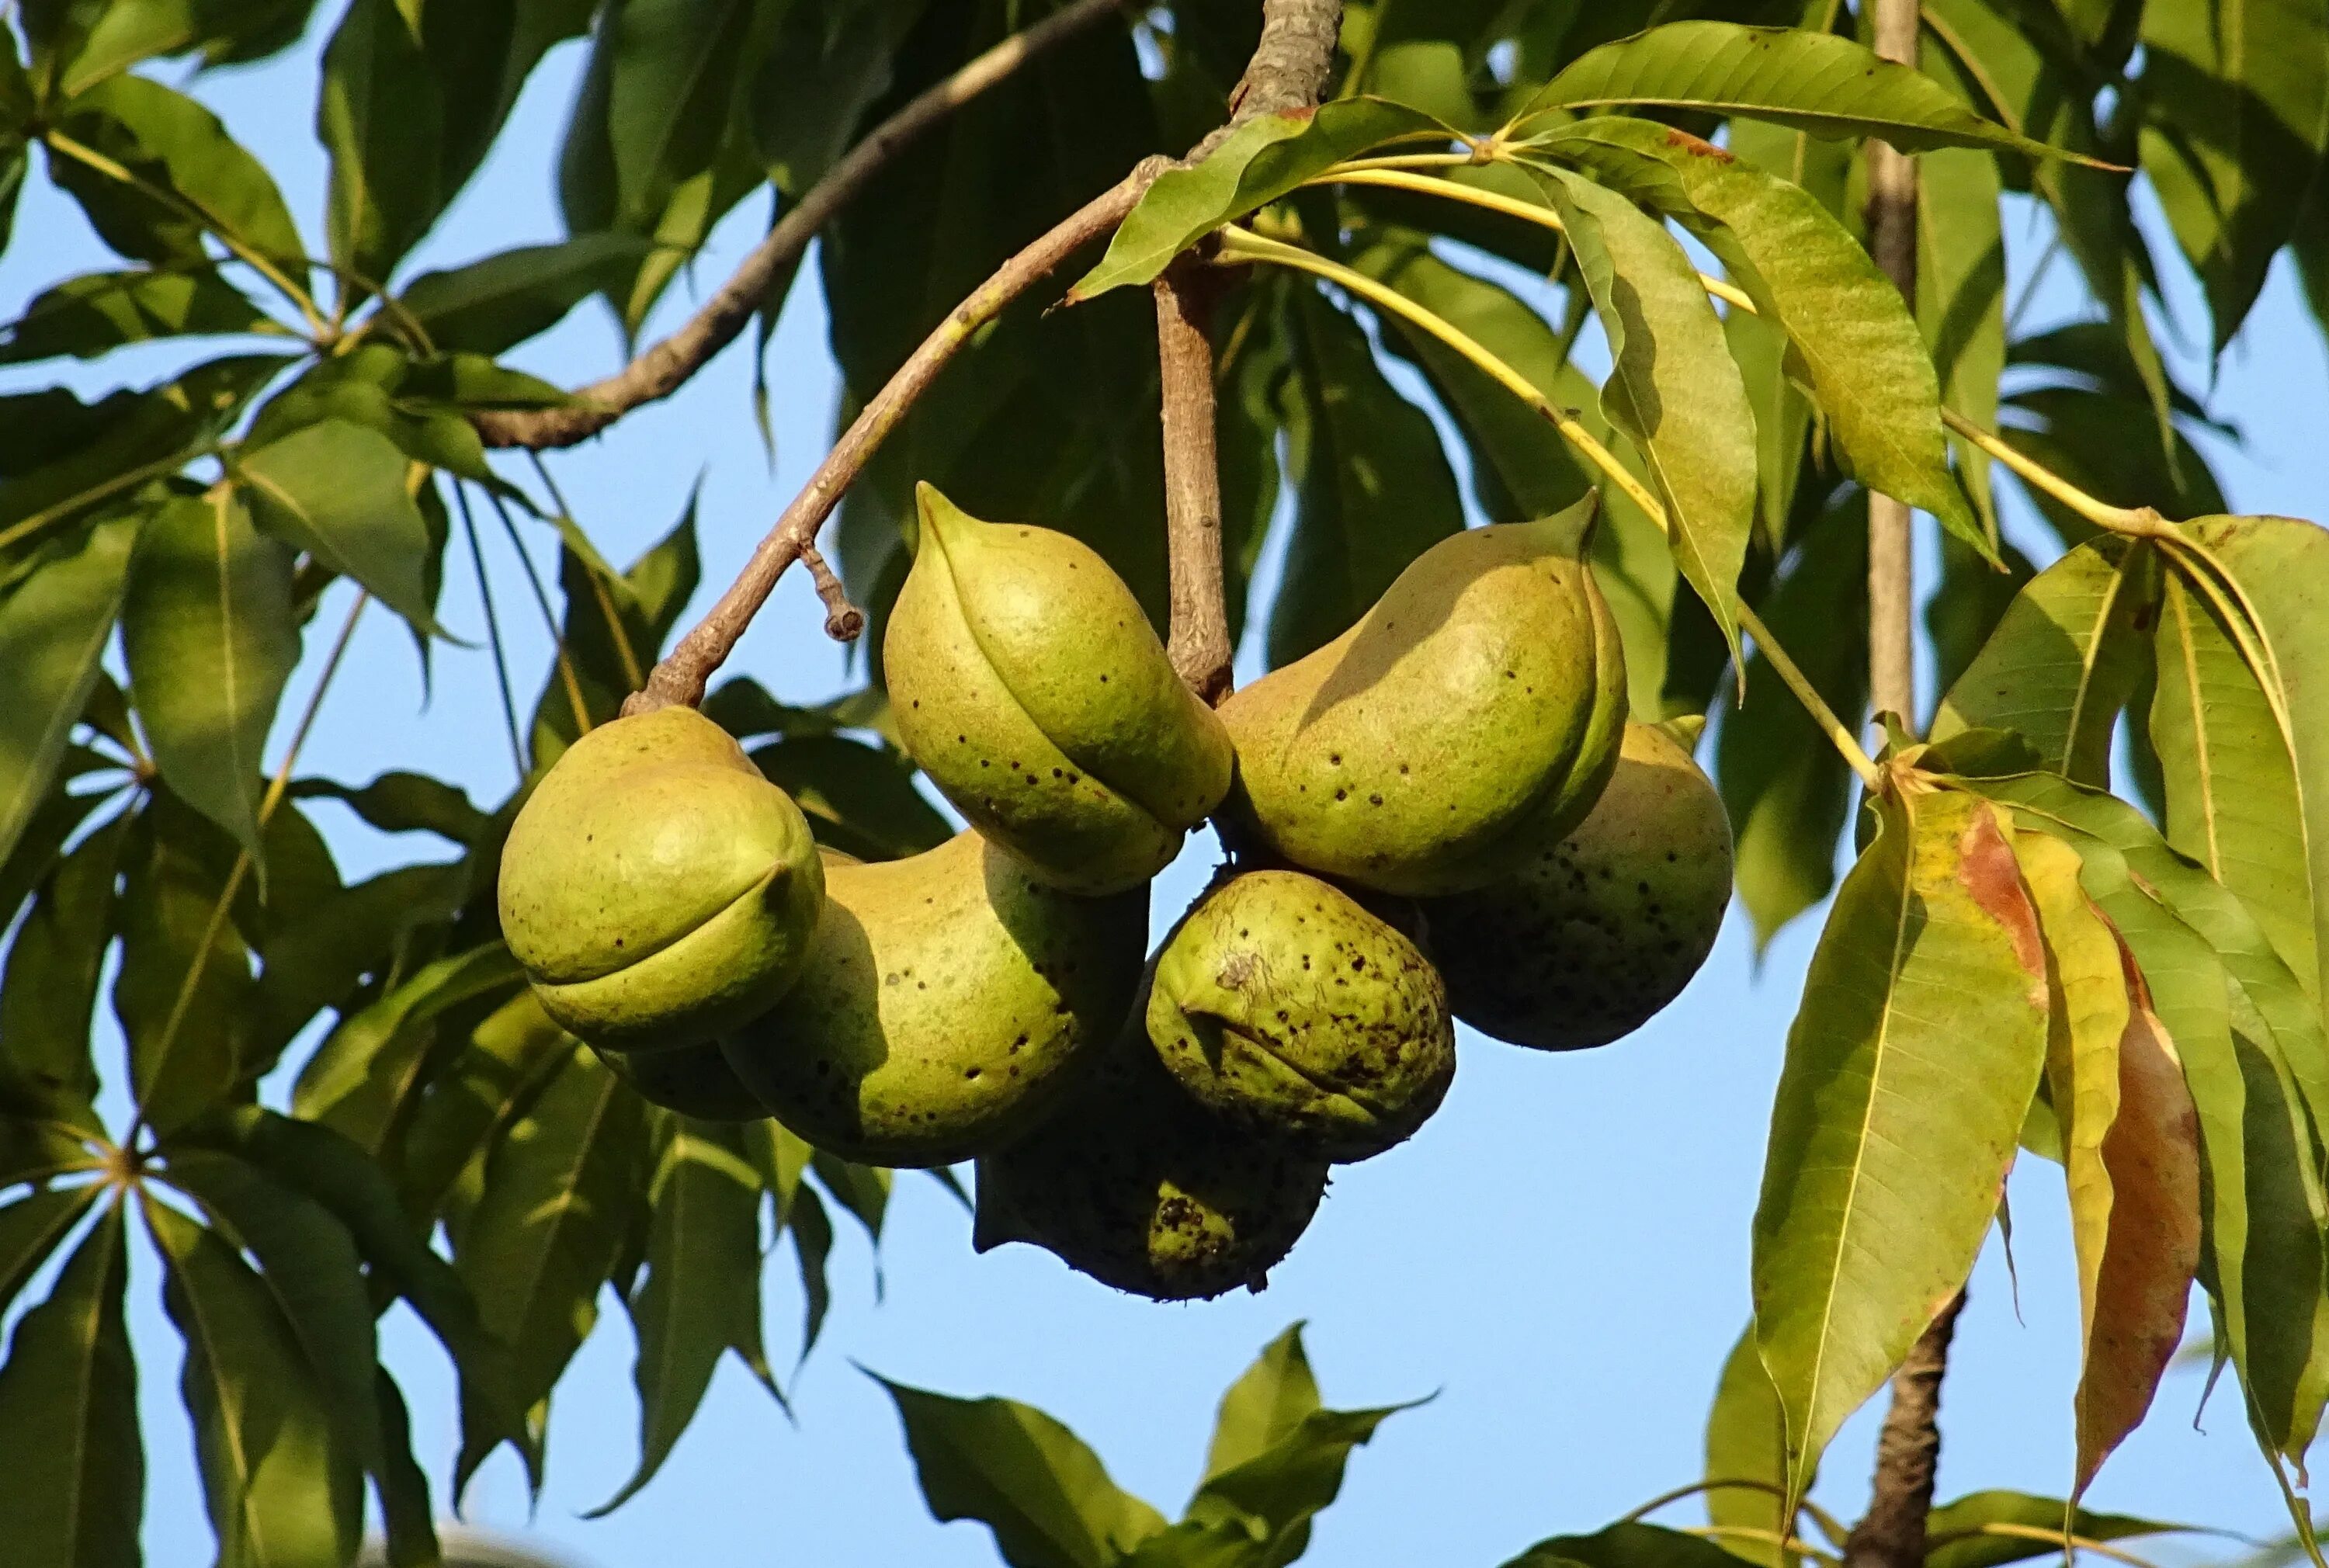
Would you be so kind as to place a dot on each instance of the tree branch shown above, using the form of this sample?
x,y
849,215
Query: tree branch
x,y
1293,56
1891,1533
1199,641
1892,241
663,369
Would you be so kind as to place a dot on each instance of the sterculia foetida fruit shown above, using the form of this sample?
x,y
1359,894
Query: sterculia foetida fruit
x,y
693,1080
1594,935
1134,1183
1469,718
656,888
1286,1008
1029,685
947,997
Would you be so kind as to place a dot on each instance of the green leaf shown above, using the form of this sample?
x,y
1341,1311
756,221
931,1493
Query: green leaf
x,y
126,32
1268,1402
365,1071
816,79
860,799
1915,1053
2236,105
1812,81
1747,1441
1272,1498
702,1295
282,1487
379,117
183,986
1371,483
2064,659
1788,793
55,624
615,625
1961,285
1626,1547
1954,1537
1259,162
209,635
1674,387
49,986
1023,1475
194,179
494,305
2082,434
862,1189
73,1491
31,1227
812,1234
1967,606
98,312
559,1188
311,1271
338,491
397,801
1859,350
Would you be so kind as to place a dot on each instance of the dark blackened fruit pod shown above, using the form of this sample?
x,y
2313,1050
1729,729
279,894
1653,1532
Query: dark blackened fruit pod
x,y
1132,1183
693,1080
656,888
1286,1008
947,999
1469,718
1594,935
1029,685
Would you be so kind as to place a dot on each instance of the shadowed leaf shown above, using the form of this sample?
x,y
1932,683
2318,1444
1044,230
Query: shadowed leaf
x,y
55,624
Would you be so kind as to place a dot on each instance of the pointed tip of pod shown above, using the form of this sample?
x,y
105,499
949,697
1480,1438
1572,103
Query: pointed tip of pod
x,y
1570,530
939,517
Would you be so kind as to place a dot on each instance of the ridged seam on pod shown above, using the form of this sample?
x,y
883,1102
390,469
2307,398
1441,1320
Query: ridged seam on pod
x,y
947,997
656,888
1470,717
1132,1183
1593,936
1286,1008
1029,685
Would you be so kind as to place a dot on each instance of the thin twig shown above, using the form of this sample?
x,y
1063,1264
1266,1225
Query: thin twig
x,y
1750,1533
2139,521
549,617
1693,1490
2060,1539
493,628
662,370
1198,643
842,620
1891,1532
1289,70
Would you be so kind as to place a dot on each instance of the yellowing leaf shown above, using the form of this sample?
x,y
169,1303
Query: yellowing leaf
x,y
1909,1067
1746,1457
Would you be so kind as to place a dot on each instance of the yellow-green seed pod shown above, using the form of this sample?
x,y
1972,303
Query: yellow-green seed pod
x,y
1469,718
1593,936
656,888
948,997
1132,1182
693,1080
1286,1008
1030,688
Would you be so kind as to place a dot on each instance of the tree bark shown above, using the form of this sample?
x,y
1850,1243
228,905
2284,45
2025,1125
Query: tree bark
x,y
1891,1533
1199,641
1892,241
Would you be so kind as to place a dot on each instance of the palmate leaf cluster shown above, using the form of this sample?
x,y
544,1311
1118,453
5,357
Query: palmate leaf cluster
x,y
2017,955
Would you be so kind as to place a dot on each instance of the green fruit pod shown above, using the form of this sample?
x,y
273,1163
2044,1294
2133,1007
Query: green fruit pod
x,y
1591,937
656,888
1027,682
1132,1183
948,997
1471,717
1286,1008
693,1080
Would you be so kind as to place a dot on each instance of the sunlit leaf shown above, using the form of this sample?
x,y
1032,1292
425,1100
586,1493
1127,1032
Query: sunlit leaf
x,y
338,491
497,303
1626,1547
1269,1399
1961,285
1916,1050
55,624
1956,1539
363,1072
1747,1443
209,635
90,314
73,1491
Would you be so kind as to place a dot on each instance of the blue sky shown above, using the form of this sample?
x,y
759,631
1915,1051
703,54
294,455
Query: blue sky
x,y
1561,1255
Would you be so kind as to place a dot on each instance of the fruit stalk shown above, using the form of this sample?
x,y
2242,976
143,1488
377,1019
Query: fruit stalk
x,y
1289,70
1198,643
663,369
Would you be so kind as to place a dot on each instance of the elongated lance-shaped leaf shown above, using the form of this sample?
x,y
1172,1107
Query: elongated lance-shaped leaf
x,y
2065,657
96,311
1274,1495
1747,1456
54,624
1044,1493
336,489
31,1227
211,635
363,1074
1915,1053
1674,387
183,986
1628,1545
1269,1400
1858,347
2246,753
1818,82
1259,162
49,983
74,1489
1959,1540
282,1487
1961,282
702,1295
